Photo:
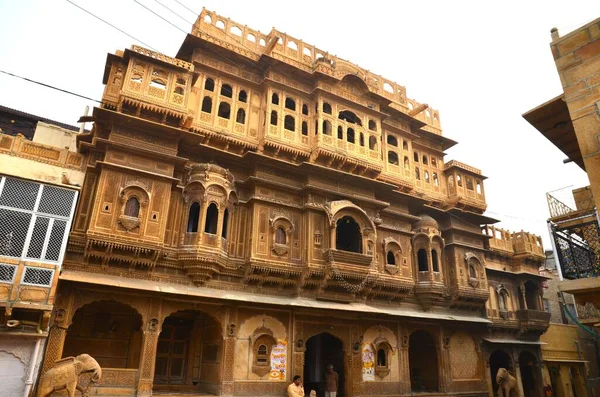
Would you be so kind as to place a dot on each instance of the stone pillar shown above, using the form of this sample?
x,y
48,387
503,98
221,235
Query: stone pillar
x,y
54,348
228,366
404,361
148,359
519,378
488,376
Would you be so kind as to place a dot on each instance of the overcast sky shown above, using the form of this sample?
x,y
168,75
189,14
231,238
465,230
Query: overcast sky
x,y
481,64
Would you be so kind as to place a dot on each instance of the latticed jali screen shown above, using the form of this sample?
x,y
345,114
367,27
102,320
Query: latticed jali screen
x,y
34,219
578,250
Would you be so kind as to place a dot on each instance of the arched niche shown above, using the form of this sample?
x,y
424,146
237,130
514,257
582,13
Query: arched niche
x,y
134,193
475,271
337,210
394,257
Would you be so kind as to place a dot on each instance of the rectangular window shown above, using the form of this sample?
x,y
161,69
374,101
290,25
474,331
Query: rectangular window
x,y
7,273
35,219
37,276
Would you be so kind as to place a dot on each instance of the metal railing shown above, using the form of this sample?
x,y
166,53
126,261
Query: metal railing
x,y
557,207
578,249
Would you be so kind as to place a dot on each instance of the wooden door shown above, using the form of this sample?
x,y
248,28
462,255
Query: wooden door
x,y
171,355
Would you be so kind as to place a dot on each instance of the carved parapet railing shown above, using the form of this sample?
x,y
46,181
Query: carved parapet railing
x,y
528,244
535,321
124,378
19,146
341,257
500,240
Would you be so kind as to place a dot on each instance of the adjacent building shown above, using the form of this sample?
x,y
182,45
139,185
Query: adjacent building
x,y
40,176
256,208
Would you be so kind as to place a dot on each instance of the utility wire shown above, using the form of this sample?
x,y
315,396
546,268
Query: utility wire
x,y
111,25
161,17
174,13
51,86
186,7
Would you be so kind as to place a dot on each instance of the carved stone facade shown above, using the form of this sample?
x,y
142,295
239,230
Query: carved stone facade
x,y
239,226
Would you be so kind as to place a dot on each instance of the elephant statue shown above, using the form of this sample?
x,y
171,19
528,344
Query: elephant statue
x,y
65,375
506,383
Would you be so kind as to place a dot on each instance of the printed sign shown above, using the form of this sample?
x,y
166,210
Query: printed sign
x,y
278,360
368,362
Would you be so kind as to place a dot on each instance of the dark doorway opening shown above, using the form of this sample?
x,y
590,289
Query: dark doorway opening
x,y
527,363
422,357
322,350
499,359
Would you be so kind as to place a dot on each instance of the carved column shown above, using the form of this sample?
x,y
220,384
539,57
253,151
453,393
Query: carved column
x,y
404,360
228,365
58,330
519,378
148,359
522,288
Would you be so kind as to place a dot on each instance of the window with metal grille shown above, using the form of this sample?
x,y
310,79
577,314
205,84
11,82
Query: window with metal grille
x,y
7,273
37,276
34,219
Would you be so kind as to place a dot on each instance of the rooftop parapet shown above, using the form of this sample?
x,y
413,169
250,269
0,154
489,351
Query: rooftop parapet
x,y
278,45
528,244
513,243
500,238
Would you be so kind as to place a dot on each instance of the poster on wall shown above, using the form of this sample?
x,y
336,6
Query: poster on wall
x,y
278,360
368,362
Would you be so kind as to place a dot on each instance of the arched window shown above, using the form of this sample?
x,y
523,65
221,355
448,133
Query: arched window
x,y
273,117
304,128
225,223
426,174
212,218
531,295
242,96
289,123
391,140
478,187
503,300
227,91
434,162
436,181
193,217
350,135
305,109
207,104
340,132
350,117
406,163
434,261
417,173
179,90
416,157
261,354
280,237
469,183
422,260
224,110
290,103
347,235
458,180
381,358
241,116
326,108
472,271
372,125
392,158
390,258
404,145
372,143
425,161
326,127
132,207
275,99
209,84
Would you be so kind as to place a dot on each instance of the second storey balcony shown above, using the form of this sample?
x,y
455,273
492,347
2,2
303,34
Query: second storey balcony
x,y
533,321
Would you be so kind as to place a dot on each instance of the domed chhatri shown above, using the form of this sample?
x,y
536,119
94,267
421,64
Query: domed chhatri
x,y
426,222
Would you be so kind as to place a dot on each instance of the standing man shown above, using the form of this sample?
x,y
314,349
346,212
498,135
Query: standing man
x,y
331,382
295,389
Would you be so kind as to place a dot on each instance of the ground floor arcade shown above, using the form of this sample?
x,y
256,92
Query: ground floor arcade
x,y
152,343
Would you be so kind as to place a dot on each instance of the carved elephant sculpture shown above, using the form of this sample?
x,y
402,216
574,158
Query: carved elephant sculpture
x,y
506,383
65,375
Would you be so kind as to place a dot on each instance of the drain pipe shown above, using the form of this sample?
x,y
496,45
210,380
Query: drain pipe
x,y
32,363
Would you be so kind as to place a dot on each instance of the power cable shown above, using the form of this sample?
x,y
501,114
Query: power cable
x,y
174,13
186,7
111,25
160,16
51,86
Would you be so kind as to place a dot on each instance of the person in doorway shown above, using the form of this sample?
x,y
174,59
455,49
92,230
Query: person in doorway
x,y
295,389
331,382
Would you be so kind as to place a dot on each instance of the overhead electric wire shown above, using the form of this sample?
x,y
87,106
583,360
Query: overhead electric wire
x,y
111,25
174,13
186,7
161,17
51,86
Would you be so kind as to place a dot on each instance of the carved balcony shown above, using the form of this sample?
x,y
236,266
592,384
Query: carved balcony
x,y
533,321
472,295
429,288
503,319
203,255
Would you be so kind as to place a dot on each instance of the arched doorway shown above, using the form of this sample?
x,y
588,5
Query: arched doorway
x,y
499,359
532,295
348,236
422,357
529,375
189,354
321,350
109,331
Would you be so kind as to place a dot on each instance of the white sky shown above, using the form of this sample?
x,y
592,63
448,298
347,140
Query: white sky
x,y
481,64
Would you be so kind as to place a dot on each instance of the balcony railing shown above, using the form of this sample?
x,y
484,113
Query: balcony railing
x,y
578,249
533,320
